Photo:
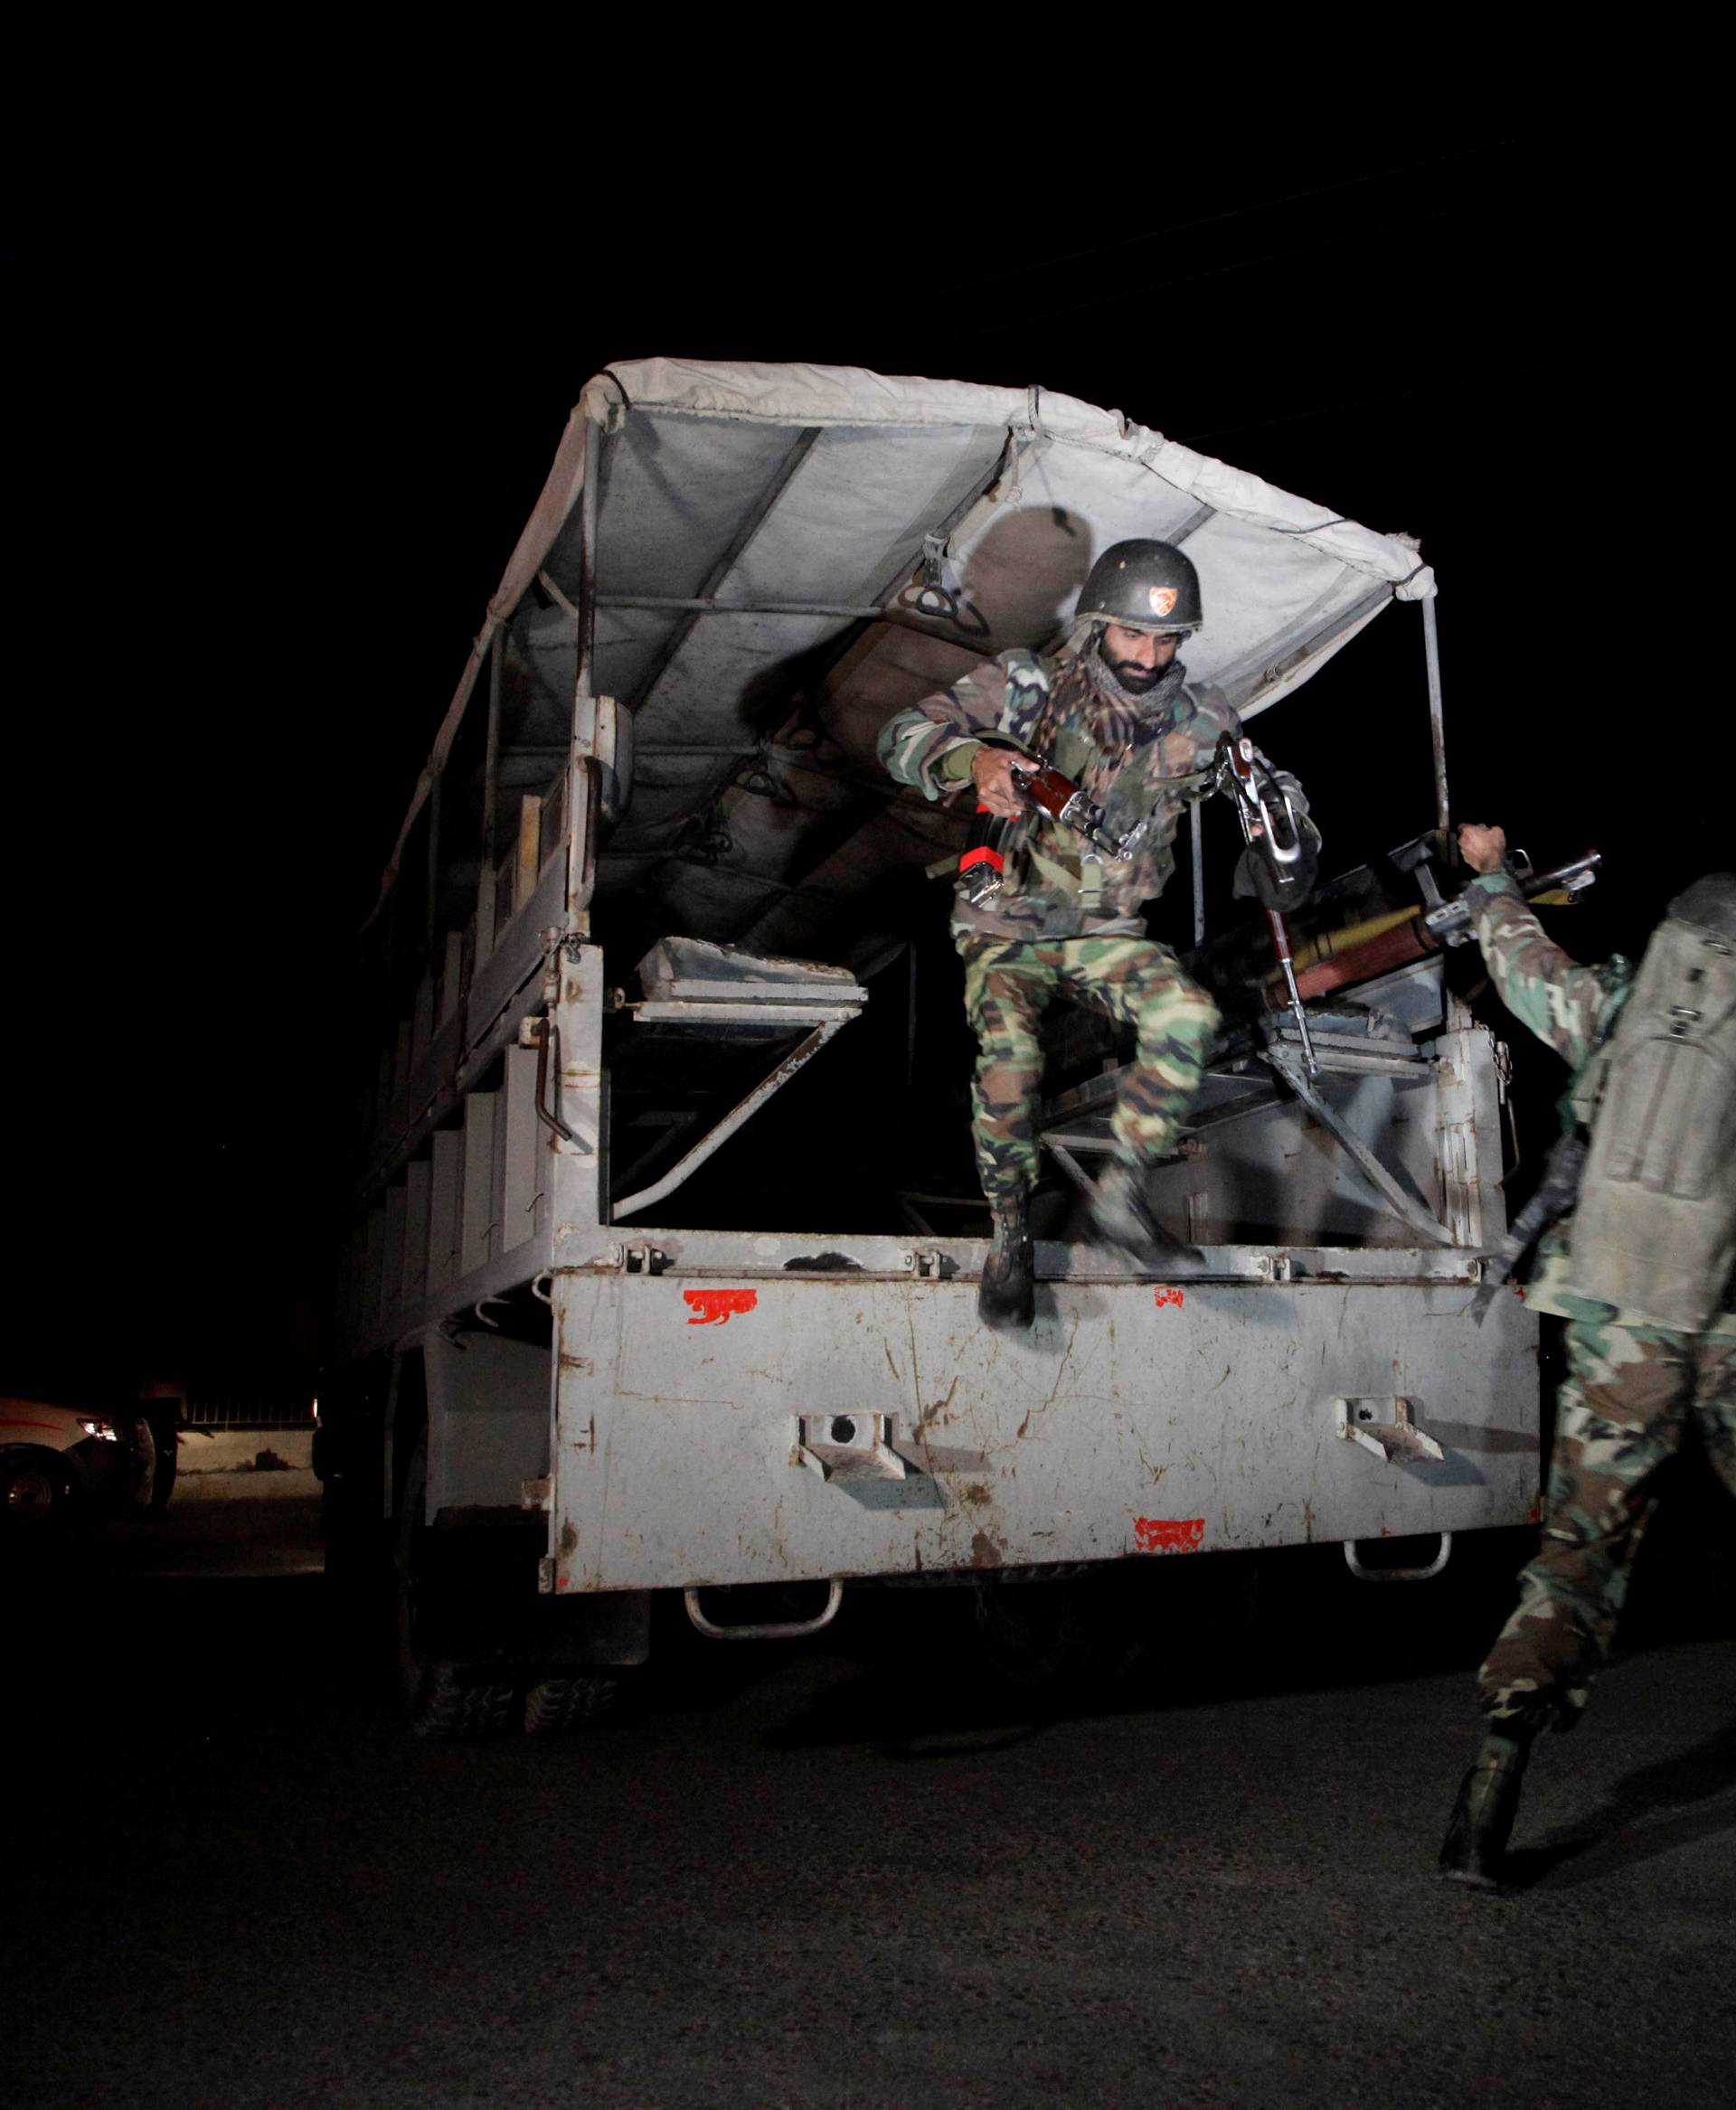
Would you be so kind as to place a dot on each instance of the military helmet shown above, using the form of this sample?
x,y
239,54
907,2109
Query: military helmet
x,y
1147,586
1710,904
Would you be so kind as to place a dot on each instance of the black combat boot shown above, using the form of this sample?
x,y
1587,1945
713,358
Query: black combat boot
x,y
1006,1298
1122,1217
1475,1848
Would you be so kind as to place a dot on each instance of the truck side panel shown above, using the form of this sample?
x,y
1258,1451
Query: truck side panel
x,y
1136,1418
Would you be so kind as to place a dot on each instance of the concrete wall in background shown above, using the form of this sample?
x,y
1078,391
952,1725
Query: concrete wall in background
x,y
232,1453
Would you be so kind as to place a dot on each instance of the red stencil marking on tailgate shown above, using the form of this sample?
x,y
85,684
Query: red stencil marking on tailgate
x,y
1167,1297
1169,1534
717,1308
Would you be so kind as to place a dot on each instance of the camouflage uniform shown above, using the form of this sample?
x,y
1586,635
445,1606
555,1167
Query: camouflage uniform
x,y
1008,984
1631,1388
1068,921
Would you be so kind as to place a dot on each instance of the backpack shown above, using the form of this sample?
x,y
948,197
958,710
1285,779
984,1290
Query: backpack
x,y
1655,1230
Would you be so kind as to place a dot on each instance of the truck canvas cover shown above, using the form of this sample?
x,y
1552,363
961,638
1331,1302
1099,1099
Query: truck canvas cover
x,y
754,525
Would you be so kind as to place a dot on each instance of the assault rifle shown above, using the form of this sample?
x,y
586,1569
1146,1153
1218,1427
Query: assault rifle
x,y
1450,922
1280,860
1064,801
1557,1192
983,862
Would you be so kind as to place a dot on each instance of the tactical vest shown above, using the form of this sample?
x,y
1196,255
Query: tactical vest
x,y
1654,1229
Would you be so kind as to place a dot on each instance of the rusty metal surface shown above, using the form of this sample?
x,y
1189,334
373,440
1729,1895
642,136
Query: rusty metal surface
x,y
1408,1208
741,1255
1135,1416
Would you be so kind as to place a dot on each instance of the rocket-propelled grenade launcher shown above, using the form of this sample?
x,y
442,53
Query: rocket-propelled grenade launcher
x,y
1383,944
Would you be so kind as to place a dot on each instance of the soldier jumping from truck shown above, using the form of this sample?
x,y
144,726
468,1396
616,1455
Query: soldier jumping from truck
x,y
1045,910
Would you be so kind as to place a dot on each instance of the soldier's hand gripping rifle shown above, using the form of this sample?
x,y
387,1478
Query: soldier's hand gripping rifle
x,y
1280,858
984,860
1450,922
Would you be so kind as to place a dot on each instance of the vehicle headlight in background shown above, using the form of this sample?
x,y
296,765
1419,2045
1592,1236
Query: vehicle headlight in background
x,y
104,1431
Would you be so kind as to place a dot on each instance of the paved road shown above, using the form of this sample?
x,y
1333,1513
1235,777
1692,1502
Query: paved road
x,y
910,1864
237,1525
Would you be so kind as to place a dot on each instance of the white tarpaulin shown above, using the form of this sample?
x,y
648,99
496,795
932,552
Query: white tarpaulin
x,y
786,555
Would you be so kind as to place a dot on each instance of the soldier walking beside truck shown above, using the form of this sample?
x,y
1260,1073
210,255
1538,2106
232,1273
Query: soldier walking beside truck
x,y
1051,892
1642,1273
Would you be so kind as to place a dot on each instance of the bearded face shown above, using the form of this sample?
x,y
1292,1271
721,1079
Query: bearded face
x,y
1138,659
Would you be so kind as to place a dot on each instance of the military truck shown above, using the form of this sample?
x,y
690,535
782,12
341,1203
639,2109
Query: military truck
x,y
655,1288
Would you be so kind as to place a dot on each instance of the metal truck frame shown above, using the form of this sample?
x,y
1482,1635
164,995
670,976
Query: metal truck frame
x,y
563,1398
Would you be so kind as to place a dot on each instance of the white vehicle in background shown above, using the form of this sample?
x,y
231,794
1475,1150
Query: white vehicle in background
x,y
61,1464
608,1330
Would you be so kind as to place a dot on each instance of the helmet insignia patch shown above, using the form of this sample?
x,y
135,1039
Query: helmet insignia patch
x,y
1163,599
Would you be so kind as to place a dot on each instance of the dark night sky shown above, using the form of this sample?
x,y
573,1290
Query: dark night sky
x,y
290,454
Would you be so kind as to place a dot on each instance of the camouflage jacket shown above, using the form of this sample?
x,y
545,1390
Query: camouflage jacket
x,y
1056,885
1571,1008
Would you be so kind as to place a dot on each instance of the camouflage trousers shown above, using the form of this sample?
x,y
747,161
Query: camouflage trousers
x,y
1009,984
1628,1396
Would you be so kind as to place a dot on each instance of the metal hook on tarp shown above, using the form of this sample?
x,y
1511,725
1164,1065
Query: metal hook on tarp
x,y
940,603
757,775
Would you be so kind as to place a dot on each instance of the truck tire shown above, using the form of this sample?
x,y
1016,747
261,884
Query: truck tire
x,y
446,1697
566,1702
165,1438
35,1493
448,1709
